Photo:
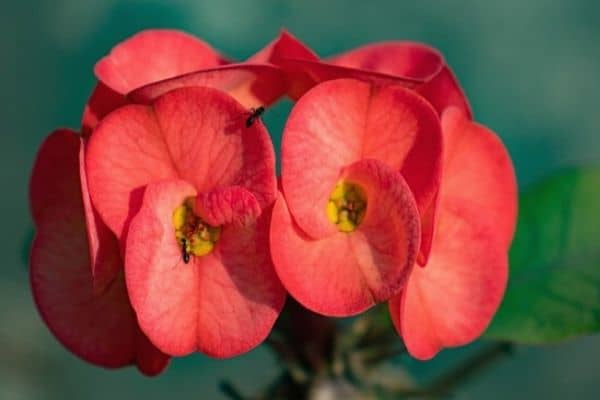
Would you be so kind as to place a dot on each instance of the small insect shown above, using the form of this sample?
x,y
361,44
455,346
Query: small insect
x,y
255,114
184,254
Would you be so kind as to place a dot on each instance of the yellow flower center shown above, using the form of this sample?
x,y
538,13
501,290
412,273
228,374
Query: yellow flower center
x,y
347,206
194,236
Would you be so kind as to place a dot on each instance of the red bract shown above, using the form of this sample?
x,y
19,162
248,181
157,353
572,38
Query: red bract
x,y
451,301
417,61
385,143
94,320
409,64
184,183
153,62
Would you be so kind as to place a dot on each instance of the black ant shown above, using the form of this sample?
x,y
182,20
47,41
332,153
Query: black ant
x,y
184,254
255,114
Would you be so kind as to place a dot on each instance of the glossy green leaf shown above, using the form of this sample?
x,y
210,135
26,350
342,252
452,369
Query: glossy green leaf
x,y
554,284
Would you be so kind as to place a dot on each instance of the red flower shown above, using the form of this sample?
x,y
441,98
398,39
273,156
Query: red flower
x,y
78,283
358,163
200,179
469,222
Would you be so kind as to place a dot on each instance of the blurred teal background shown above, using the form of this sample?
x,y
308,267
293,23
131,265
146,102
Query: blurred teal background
x,y
529,68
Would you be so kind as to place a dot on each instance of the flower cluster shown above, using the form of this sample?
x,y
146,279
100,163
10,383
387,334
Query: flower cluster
x,y
161,228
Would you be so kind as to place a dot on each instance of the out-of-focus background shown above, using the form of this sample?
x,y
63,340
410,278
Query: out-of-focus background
x,y
530,68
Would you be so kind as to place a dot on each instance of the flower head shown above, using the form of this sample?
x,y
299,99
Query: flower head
x,y
360,163
468,224
185,184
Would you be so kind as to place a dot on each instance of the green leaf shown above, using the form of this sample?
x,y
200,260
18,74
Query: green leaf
x,y
554,284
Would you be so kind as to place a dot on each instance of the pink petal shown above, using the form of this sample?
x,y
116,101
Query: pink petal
x,y
346,273
125,153
197,134
98,326
250,84
102,101
451,301
230,205
403,59
211,146
153,55
401,63
478,170
410,60
304,74
340,122
222,304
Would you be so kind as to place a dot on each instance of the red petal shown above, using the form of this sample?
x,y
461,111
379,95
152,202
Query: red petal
x,y
451,301
304,74
404,63
153,55
103,244
346,273
102,101
285,47
211,145
342,121
125,153
99,327
250,84
230,205
222,304
478,170
402,59
410,60
443,91
57,158
197,134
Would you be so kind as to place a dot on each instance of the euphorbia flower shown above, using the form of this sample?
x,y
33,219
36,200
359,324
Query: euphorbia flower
x,y
411,65
94,320
146,58
451,301
187,185
359,163
153,62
